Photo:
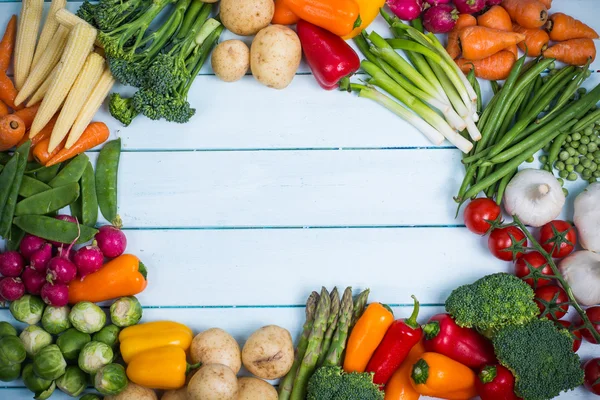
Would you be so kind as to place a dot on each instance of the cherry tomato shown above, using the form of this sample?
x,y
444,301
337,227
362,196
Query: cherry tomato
x,y
533,265
502,240
561,230
576,334
593,314
479,213
592,375
549,300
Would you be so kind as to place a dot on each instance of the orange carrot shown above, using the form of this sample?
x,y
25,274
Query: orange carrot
x,y
28,114
3,109
463,21
493,68
40,152
95,134
536,40
563,27
8,43
497,18
573,52
8,92
547,3
478,42
44,134
283,15
527,13
12,130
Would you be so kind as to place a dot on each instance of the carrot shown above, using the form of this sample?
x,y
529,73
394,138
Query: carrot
x,y
479,42
527,13
497,18
573,52
283,15
95,134
28,114
3,109
8,43
493,68
8,92
40,152
563,27
536,40
12,129
463,21
547,3
43,135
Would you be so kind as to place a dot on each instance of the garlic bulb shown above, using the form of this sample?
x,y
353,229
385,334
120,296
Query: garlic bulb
x,y
587,217
535,196
581,270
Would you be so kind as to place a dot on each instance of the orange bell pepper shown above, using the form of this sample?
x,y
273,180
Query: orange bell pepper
x,y
369,10
283,15
337,16
399,386
436,375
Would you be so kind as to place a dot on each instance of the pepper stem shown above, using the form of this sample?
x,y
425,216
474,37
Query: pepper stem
x,y
412,320
431,329
191,367
420,372
488,374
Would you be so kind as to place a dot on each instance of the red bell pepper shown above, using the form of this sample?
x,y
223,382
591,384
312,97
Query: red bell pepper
x,y
399,339
465,345
496,383
329,57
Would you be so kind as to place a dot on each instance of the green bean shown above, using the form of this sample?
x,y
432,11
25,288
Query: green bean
x,y
513,109
569,91
467,181
553,154
475,83
6,179
11,201
14,238
46,174
31,186
54,229
48,201
588,120
89,201
533,88
557,79
107,168
71,172
495,87
502,186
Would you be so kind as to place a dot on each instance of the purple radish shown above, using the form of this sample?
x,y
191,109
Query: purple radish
x,y
440,19
11,289
61,270
33,280
436,2
39,260
490,3
67,218
88,260
29,245
469,6
111,241
406,9
11,264
61,251
56,295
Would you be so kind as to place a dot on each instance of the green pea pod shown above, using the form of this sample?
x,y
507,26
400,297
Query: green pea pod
x,y
75,208
4,158
14,238
6,179
48,201
71,172
53,229
89,200
107,168
11,201
46,174
31,186
1,167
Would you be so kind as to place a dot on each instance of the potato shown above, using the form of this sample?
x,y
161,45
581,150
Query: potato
x,y
231,60
275,56
246,17
213,382
134,392
179,394
255,389
215,346
269,352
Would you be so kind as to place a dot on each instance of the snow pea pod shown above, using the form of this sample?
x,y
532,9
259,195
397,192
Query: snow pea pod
x,y
54,229
46,174
71,172
75,207
107,168
13,195
48,201
31,186
89,199
16,235
4,158
6,179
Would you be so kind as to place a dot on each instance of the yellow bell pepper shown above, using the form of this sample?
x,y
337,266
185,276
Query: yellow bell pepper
x,y
369,10
161,368
139,338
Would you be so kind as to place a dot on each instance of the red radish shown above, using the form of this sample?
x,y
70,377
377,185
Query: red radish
x,y
33,280
88,260
436,2
67,218
11,289
62,250
111,241
11,264
29,245
39,259
469,6
61,270
490,3
56,295
406,9
440,18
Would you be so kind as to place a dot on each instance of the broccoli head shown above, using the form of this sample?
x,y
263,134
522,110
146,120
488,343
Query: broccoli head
x,y
541,358
122,109
492,302
87,12
154,105
332,383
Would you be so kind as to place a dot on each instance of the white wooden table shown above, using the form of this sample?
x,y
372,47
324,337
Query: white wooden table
x,y
267,195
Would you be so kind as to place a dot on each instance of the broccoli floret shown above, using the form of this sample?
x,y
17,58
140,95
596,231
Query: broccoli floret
x,y
156,105
110,14
541,358
87,12
332,383
122,109
492,302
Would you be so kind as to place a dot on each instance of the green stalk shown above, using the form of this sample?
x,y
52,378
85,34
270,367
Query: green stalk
x,y
425,70
190,17
202,55
152,46
450,91
569,91
559,78
332,323
340,337
587,120
502,186
410,45
359,306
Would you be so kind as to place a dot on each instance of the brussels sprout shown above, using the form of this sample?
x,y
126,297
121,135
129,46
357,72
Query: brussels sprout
x,y
71,342
46,393
34,382
94,356
35,339
126,311
7,329
73,382
111,379
90,396
56,319
28,309
87,317
108,335
12,351
9,373
49,363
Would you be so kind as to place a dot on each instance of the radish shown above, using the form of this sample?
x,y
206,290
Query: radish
x,y
11,289
406,9
436,2
39,260
440,18
469,6
490,3
29,245
111,241
33,280
11,264
62,250
56,295
88,260
61,270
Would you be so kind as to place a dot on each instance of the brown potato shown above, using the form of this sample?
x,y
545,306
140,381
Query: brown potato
x,y
134,392
213,382
269,352
179,394
275,56
255,389
231,60
215,346
246,17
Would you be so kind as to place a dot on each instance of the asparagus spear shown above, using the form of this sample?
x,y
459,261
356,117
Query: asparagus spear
x,y
309,362
332,324
359,306
338,345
